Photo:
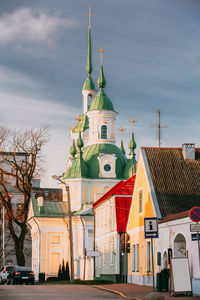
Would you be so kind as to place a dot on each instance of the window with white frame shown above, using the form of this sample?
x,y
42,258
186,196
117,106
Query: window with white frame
x,y
104,254
148,257
140,204
135,258
103,132
90,239
97,260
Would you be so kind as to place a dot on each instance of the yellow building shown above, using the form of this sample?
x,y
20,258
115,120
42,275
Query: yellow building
x,y
167,182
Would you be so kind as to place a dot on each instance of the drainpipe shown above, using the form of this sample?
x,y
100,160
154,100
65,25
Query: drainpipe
x,y
94,245
84,248
39,242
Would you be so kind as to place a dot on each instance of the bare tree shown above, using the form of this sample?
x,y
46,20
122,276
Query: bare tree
x,y
20,163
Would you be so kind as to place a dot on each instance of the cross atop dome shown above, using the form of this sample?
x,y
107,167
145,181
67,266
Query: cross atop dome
x,y
133,121
101,50
90,15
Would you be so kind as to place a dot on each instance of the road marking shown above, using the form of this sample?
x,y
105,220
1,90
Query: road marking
x,y
115,292
30,295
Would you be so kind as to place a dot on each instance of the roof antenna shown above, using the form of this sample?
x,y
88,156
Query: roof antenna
x,y
159,126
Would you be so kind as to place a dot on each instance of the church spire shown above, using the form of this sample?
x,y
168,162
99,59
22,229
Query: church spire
x,y
132,146
122,147
89,84
89,55
101,80
73,149
121,129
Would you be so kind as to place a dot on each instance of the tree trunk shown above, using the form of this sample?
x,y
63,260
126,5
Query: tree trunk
x,y
19,242
19,252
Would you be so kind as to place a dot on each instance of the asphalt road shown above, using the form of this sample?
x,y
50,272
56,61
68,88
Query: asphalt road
x,y
51,292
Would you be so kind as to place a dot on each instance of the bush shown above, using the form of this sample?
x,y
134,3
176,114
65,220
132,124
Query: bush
x,y
67,272
63,271
60,273
50,279
42,277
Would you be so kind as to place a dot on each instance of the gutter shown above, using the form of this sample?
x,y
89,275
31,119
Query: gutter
x,y
39,242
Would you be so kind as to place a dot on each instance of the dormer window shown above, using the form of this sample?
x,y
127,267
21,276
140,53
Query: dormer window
x,y
103,132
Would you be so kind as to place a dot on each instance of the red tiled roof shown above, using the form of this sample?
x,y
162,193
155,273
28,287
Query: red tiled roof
x,y
177,216
121,188
176,181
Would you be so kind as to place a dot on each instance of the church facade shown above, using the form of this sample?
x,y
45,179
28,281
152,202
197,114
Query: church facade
x,y
95,165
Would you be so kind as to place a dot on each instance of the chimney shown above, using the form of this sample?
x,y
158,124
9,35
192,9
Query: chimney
x,y
41,204
188,151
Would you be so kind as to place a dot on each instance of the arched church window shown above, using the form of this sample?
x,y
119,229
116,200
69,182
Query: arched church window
x,y
103,132
89,100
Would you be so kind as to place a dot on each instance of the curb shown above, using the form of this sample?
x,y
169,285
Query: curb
x,y
115,292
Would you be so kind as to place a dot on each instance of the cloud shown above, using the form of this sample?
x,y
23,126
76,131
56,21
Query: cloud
x,y
32,25
22,112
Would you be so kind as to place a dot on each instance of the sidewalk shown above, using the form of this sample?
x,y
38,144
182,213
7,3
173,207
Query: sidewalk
x,y
139,291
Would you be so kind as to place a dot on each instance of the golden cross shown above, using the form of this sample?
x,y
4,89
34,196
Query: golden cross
x,y
132,121
101,50
89,15
121,129
79,118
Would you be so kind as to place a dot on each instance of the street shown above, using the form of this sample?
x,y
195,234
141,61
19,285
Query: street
x,y
50,292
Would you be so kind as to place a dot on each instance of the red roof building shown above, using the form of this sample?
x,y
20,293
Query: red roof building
x,y
111,213
122,192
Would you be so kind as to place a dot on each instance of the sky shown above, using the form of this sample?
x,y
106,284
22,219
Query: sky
x,y
152,61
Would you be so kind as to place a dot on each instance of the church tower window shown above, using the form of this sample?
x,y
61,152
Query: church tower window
x,y
89,100
103,132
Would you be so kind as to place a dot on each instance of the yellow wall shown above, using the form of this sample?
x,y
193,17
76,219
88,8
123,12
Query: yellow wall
x,y
136,220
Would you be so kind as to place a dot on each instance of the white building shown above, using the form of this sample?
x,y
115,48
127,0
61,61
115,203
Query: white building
x,y
174,233
95,165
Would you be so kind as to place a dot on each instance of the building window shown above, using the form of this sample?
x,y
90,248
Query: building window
x,y
112,253
135,258
90,239
103,132
140,201
148,257
104,255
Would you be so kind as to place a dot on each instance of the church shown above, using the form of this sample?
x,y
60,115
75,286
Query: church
x,y
95,165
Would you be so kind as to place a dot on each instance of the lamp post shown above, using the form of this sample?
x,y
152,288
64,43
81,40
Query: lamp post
x,y
70,225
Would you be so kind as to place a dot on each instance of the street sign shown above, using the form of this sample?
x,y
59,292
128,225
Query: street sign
x,y
150,228
92,253
195,236
194,214
195,227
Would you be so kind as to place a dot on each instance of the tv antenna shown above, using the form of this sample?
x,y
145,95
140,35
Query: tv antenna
x,y
159,126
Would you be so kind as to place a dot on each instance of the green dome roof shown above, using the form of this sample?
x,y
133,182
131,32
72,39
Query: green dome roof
x,y
77,170
130,169
89,84
90,154
101,102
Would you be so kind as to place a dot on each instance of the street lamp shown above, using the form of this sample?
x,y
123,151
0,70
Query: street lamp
x,y
70,224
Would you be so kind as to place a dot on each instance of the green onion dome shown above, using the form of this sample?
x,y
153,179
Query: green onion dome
x,y
91,153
